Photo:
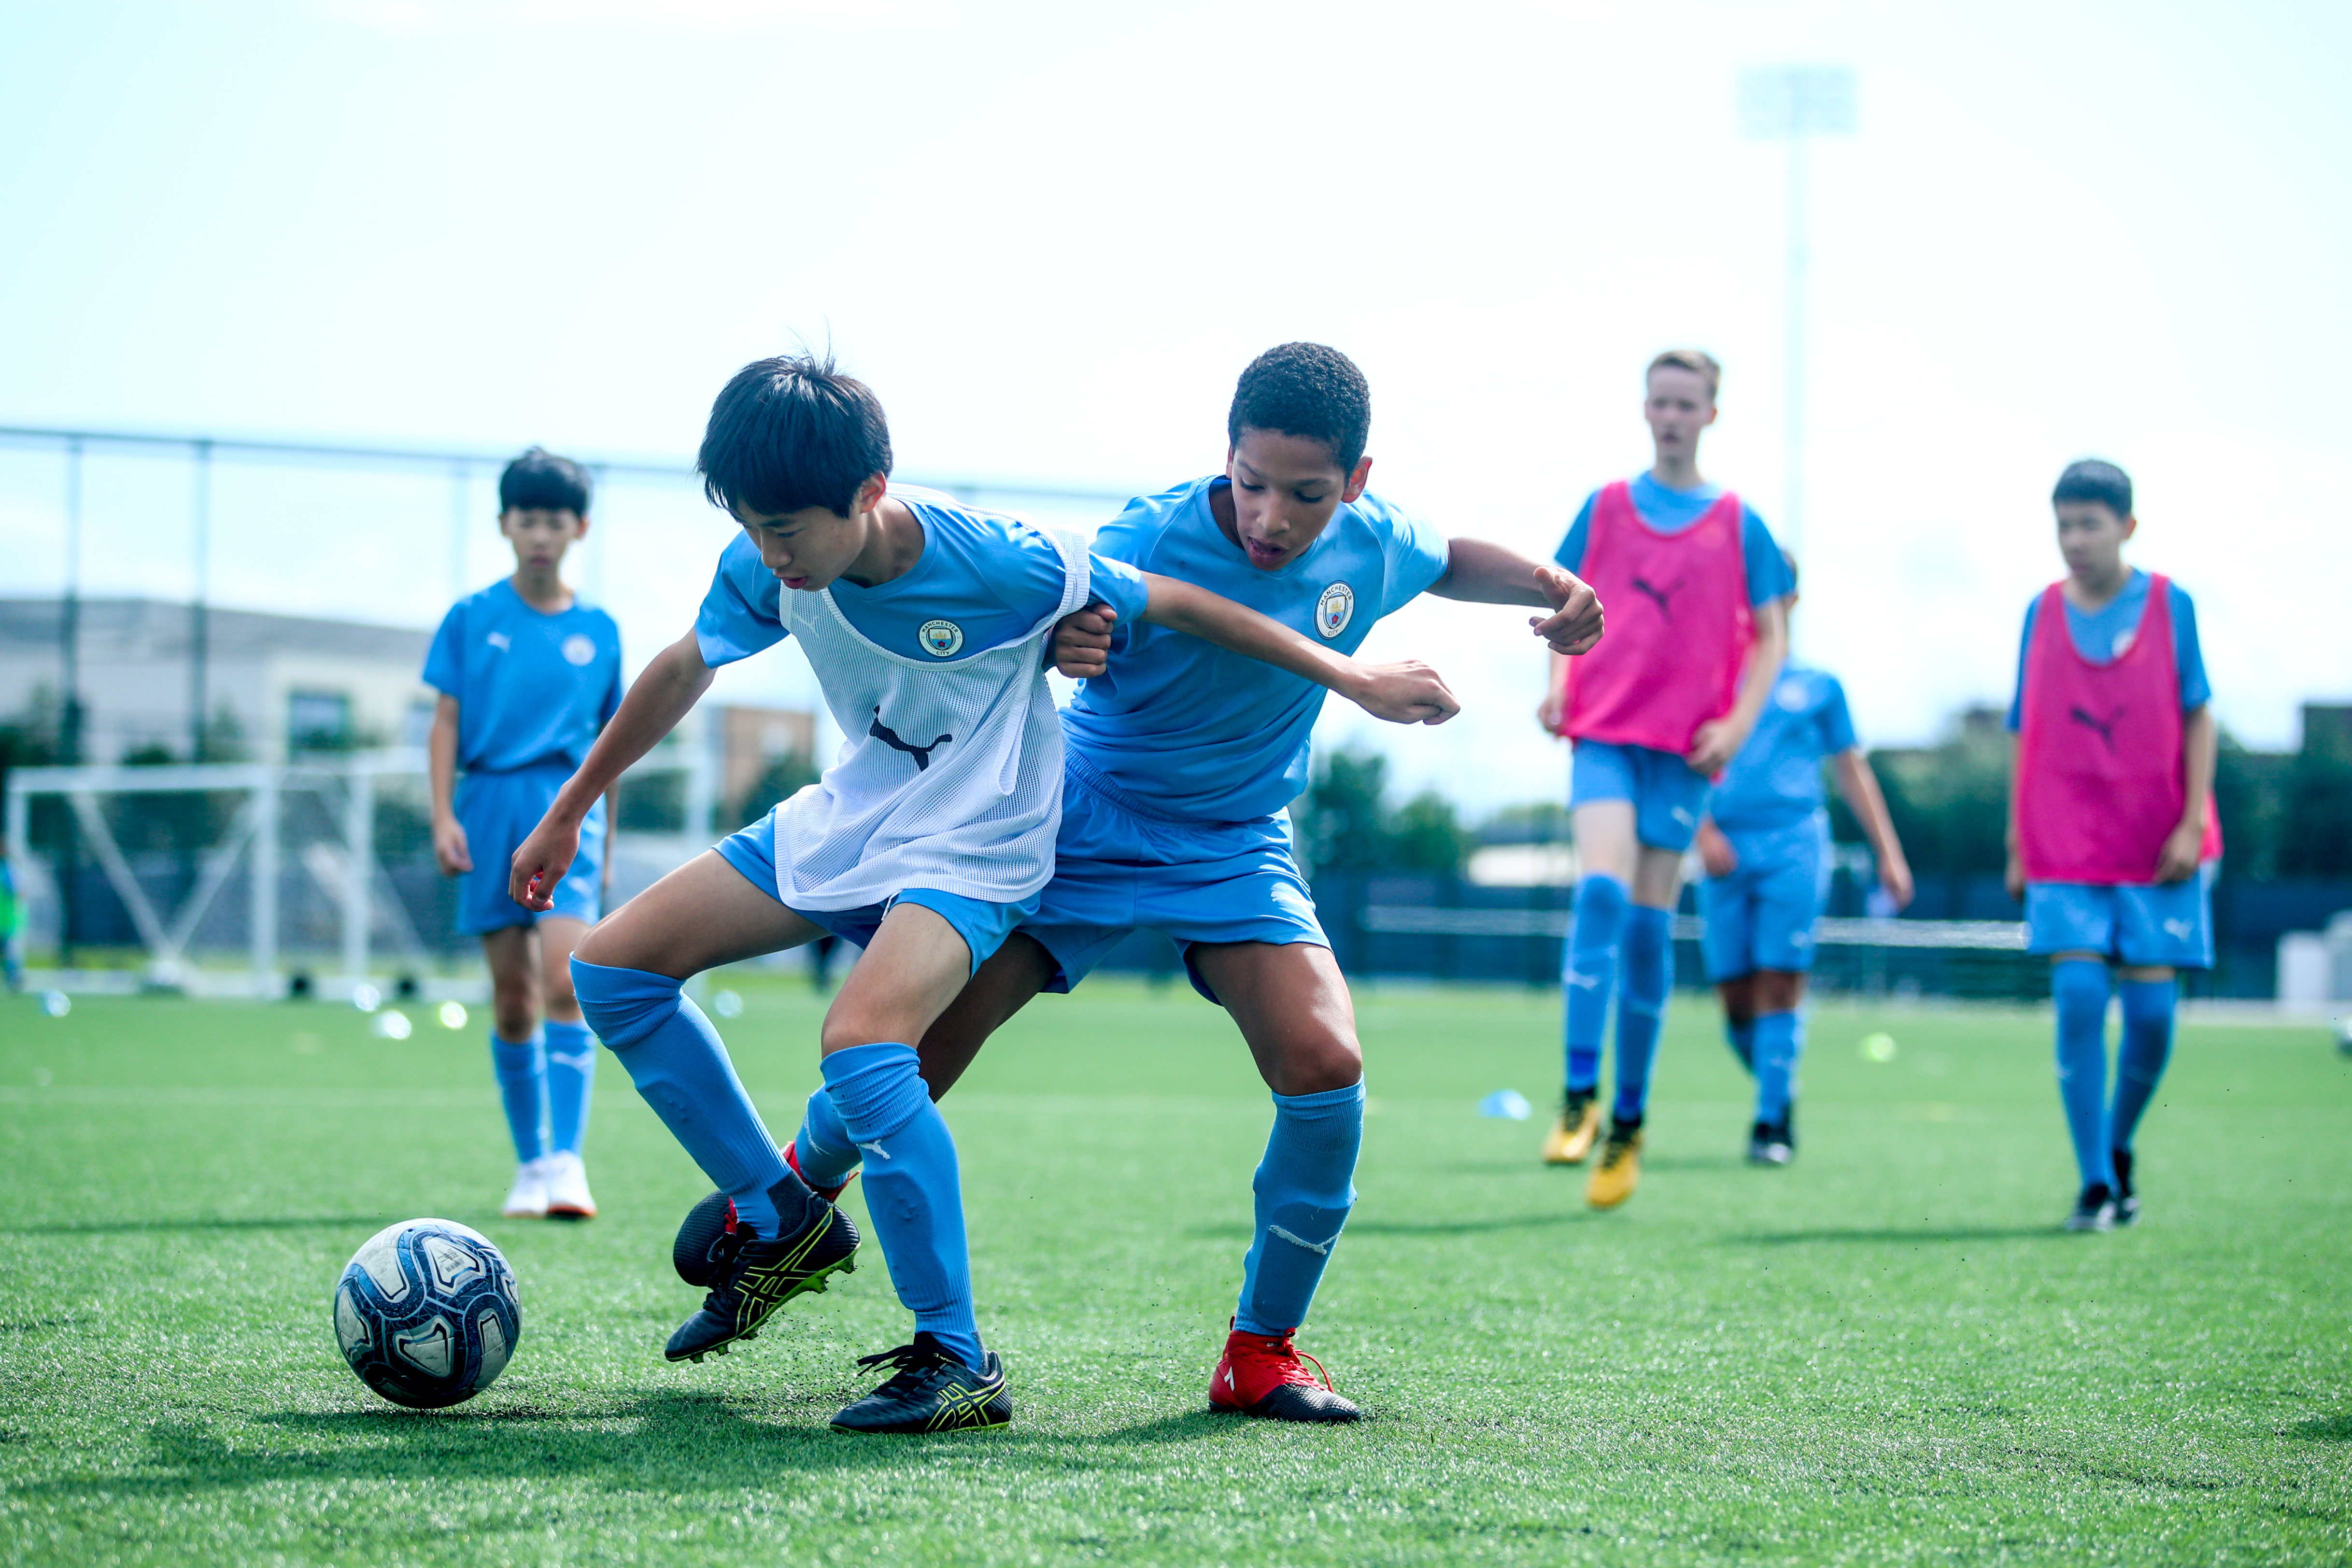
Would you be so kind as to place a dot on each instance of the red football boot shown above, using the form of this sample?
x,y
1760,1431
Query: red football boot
x,y
830,1194
1265,1374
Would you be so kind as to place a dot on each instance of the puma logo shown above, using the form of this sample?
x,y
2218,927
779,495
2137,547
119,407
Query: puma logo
x,y
889,738
2176,929
1585,981
1663,596
875,1148
2078,714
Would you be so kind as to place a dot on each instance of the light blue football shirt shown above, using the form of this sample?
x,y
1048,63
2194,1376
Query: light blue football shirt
x,y
2105,634
990,576
1776,779
530,688
1671,511
1192,732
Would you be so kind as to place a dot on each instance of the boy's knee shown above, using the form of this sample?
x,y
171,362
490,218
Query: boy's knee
x,y
1779,991
1318,1063
623,1005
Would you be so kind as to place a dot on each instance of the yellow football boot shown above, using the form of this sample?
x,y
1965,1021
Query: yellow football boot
x,y
1619,1170
1571,1136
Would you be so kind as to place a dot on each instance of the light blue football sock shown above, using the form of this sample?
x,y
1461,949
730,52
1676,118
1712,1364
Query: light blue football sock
x,y
913,1189
1742,1037
2148,1007
823,1147
2078,991
1589,973
522,1071
1775,1065
571,1080
681,1068
1304,1186
1648,974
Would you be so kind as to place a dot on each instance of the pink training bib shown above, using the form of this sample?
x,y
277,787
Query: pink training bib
x,y
1679,626
2099,758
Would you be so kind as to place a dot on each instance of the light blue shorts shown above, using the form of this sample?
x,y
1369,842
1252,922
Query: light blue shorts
x,y
1118,869
1668,797
2164,925
498,811
1761,915
983,926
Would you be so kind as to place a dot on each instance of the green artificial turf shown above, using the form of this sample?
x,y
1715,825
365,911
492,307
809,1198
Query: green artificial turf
x,y
1885,1354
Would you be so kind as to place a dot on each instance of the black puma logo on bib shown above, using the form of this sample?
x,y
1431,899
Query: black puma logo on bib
x,y
1663,595
889,738
2106,726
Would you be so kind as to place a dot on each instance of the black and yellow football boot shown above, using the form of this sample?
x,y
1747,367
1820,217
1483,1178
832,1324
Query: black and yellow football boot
x,y
930,1391
750,1275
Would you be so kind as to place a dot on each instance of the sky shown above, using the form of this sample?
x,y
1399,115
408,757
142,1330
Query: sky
x,y
1050,236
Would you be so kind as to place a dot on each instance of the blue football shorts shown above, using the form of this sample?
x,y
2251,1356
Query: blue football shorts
x,y
2162,924
1668,797
498,811
1761,915
983,926
1120,869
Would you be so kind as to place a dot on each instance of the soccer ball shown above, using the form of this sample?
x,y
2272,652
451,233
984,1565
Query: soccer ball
x,y
426,1313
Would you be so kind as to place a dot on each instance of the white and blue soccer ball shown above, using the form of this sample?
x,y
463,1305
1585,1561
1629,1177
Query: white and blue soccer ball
x,y
426,1313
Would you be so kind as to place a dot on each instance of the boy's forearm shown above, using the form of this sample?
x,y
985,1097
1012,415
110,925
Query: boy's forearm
x,y
1766,653
1181,607
664,694
2201,752
1859,785
441,763
1485,573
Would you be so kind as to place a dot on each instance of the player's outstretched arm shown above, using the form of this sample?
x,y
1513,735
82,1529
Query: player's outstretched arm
x,y
1406,693
1859,785
1483,573
1718,740
664,694
449,847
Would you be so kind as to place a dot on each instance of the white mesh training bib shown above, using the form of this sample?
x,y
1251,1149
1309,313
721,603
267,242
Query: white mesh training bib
x,y
951,777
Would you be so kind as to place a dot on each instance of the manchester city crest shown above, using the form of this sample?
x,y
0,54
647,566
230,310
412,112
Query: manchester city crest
x,y
579,648
941,639
1334,609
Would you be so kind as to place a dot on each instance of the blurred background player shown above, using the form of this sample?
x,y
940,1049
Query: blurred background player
x,y
2112,830
1764,842
1697,633
927,622
528,674
12,926
1182,761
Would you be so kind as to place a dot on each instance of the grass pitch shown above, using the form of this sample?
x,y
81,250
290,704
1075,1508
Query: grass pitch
x,y
1885,1354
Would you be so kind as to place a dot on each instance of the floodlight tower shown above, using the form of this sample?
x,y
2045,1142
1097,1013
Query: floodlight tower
x,y
1792,104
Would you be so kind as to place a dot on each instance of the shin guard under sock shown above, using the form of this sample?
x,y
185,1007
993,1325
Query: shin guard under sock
x,y
1775,1065
913,1189
1648,967
1741,1037
674,1058
521,1073
571,1080
2148,1007
2078,993
1589,975
823,1147
1305,1188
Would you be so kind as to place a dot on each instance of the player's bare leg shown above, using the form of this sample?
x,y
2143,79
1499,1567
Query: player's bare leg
x,y
1013,974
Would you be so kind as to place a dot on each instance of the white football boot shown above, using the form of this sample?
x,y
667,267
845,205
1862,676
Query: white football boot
x,y
528,1197
567,1188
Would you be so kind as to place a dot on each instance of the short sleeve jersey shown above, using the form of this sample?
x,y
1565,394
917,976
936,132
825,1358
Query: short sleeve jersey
x,y
2105,634
1776,779
1194,733
530,688
984,579
1671,511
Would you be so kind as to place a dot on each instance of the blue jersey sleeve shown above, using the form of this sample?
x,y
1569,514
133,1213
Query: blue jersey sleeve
x,y
1768,573
1837,721
1118,585
2187,656
2017,693
738,618
1414,552
1570,553
445,662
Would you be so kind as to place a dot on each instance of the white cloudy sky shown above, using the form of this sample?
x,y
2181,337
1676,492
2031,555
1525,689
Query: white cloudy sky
x,y
1051,235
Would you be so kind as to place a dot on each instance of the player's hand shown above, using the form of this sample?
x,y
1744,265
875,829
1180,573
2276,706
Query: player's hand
x,y
1714,746
1574,625
1894,876
542,862
1080,646
450,849
1715,851
1408,693
2184,849
1552,713
2012,877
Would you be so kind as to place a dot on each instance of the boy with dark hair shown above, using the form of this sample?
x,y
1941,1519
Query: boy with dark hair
x,y
1764,842
528,674
926,623
2112,825
1182,761
1696,583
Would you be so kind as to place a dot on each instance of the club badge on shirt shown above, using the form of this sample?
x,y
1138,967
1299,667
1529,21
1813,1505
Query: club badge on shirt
x,y
1334,609
941,639
579,648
